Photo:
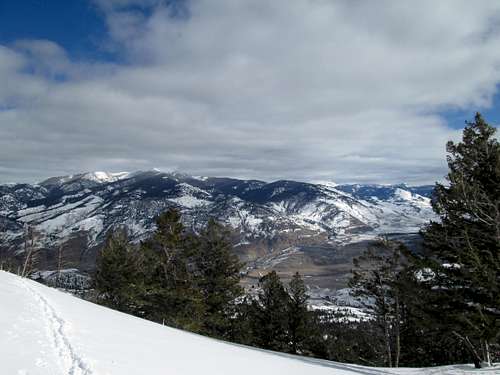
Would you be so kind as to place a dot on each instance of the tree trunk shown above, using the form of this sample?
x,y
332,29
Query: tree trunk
x,y
475,356
294,345
398,339
486,352
27,251
293,339
388,341
59,266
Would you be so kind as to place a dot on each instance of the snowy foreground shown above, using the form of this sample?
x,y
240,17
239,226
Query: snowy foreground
x,y
45,331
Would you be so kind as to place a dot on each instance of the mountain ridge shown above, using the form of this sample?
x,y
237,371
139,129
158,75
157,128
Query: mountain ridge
x,y
289,224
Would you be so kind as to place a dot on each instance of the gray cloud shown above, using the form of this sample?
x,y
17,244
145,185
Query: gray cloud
x,y
340,90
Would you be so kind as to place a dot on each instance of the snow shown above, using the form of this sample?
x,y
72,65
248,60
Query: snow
x,y
53,213
344,313
338,214
189,201
328,184
242,243
341,214
105,177
189,197
45,331
242,218
346,297
200,178
272,260
342,302
61,219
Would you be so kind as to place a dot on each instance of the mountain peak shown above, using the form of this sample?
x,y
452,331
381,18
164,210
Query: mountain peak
x,y
102,177
99,177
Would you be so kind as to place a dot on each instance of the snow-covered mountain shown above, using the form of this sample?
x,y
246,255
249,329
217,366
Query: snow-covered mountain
x,y
45,331
77,211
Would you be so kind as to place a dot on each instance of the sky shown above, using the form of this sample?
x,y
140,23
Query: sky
x,y
310,90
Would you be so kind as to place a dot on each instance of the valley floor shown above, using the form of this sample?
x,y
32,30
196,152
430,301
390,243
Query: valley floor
x,y
45,331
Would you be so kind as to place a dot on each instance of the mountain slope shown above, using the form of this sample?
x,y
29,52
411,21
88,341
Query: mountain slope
x,y
45,331
90,204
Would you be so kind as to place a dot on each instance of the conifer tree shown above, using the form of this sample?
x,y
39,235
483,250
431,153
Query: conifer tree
x,y
270,316
218,276
375,277
426,339
465,244
243,322
170,294
116,273
298,315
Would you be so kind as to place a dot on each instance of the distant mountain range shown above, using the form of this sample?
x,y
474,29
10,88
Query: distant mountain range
x,y
266,219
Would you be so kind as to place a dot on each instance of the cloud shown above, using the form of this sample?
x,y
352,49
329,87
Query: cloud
x,y
341,90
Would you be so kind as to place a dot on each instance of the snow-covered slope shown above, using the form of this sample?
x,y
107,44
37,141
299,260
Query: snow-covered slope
x,y
44,331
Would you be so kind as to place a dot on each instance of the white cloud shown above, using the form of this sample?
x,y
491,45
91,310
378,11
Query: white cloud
x,y
315,89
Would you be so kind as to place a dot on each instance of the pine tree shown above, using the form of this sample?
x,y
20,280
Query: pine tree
x,y
425,324
116,273
218,276
465,244
375,277
299,318
170,293
270,315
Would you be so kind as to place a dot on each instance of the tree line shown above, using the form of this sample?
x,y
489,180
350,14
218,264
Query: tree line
x,y
439,305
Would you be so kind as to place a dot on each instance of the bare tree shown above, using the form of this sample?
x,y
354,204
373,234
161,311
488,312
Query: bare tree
x,y
59,264
30,251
